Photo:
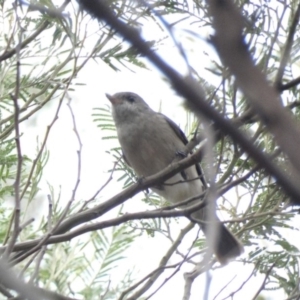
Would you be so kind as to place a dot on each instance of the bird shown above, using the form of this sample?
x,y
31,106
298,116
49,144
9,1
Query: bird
x,y
150,141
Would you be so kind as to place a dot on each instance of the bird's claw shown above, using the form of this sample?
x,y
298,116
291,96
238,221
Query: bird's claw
x,y
181,154
140,180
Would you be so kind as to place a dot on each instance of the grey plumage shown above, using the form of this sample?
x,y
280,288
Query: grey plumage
x,y
150,141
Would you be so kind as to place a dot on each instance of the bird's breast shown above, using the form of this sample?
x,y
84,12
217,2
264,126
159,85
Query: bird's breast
x,y
148,148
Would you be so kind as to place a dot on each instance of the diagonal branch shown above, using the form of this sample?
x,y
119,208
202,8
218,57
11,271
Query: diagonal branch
x,y
25,290
229,42
23,44
290,84
162,263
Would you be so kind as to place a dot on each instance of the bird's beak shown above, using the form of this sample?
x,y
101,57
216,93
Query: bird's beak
x,y
112,99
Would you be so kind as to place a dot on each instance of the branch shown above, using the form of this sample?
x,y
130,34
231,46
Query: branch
x,y
162,263
232,294
27,291
230,45
287,47
12,52
23,44
265,280
189,277
186,258
143,184
50,232
16,123
90,214
38,243
289,85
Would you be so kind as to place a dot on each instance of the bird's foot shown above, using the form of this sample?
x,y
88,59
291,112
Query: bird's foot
x,y
180,154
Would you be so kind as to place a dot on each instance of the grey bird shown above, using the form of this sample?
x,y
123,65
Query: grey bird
x,y
150,142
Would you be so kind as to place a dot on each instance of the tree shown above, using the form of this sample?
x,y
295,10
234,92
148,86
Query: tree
x,y
246,99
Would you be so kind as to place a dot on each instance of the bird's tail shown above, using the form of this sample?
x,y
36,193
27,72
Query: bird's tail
x,y
224,244
227,246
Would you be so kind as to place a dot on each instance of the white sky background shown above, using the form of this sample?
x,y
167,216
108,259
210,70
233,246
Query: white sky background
x,y
62,167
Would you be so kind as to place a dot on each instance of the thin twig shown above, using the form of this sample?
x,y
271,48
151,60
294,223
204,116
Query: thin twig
x,y
25,224
191,276
101,188
44,240
241,286
17,209
163,262
185,259
265,280
225,286
23,44
38,262
78,151
131,288
287,47
51,12
28,263
159,213
50,209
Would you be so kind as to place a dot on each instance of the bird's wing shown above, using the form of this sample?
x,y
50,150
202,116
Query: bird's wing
x,y
184,139
176,129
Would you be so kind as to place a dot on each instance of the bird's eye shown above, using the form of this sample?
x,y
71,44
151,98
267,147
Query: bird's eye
x,y
130,99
